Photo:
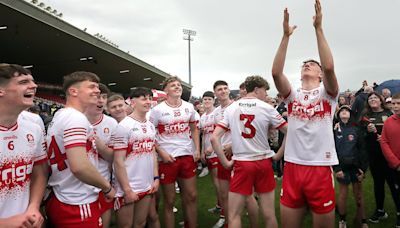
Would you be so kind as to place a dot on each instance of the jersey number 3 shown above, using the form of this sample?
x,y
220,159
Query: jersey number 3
x,y
58,158
250,130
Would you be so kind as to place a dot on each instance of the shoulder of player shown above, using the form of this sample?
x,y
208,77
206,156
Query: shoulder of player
x,y
109,120
26,125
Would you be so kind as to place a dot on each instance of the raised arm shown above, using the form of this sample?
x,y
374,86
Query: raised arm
x,y
281,82
325,54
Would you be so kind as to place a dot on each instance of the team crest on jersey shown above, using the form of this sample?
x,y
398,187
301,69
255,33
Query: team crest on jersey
x,y
30,138
351,137
316,92
187,110
106,130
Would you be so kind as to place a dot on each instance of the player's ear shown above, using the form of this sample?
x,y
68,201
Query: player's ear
x,y
2,91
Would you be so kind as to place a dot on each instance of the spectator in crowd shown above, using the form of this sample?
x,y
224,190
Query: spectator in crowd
x,y
360,101
373,118
361,90
353,163
386,93
389,104
390,142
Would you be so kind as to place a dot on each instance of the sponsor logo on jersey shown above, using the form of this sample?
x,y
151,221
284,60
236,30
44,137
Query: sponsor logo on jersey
x,y
174,128
137,147
15,173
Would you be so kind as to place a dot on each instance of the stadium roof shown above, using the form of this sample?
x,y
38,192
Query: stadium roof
x,y
32,36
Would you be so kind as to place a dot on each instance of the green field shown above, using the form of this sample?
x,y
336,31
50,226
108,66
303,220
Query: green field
x,y
207,199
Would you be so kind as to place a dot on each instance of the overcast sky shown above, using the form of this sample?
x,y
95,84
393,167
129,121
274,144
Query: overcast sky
x,y
237,38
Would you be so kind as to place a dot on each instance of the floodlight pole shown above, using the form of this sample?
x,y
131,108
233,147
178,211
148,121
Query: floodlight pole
x,y
189,38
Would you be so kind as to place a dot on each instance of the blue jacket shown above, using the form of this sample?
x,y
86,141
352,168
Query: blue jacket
x,y
349,142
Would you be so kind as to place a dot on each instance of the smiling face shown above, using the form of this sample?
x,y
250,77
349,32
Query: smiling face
x,y
141,104
173,89
19,91
117,109
374,101
222,92
86,92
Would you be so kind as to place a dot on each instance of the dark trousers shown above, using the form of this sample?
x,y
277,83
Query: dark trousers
x,y
380,173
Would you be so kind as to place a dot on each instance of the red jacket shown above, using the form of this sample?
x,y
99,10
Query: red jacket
x,y
390,141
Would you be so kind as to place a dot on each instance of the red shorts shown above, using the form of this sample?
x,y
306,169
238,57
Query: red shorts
x,y
103,204
183,167
212,163
222,173
311,185
249,175
73,216
120,202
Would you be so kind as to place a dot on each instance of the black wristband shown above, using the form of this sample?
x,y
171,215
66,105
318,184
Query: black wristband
x,y
156,177
108,191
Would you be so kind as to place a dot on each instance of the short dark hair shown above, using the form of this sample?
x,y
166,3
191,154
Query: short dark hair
x,y
169,80
208,94
242,86
312,61
8,71
255,81
141,91
396,96
104,89
114,97
77,77
219,82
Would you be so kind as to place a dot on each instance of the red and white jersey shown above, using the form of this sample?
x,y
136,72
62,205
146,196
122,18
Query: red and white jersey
x,y
137,139
219,116
310,136
22,146
104,129
250,120
68,129
207,124
173,129
33,118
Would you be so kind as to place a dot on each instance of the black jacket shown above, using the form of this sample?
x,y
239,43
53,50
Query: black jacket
x,y
349,142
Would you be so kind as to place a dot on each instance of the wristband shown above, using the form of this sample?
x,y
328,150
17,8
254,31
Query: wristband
x,y
156,177
108,191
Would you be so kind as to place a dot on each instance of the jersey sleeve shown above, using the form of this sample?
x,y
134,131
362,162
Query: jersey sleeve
x,y
194,116
154,116
40,155
224,123
276,120
121,137
75,131
291,96
328,96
